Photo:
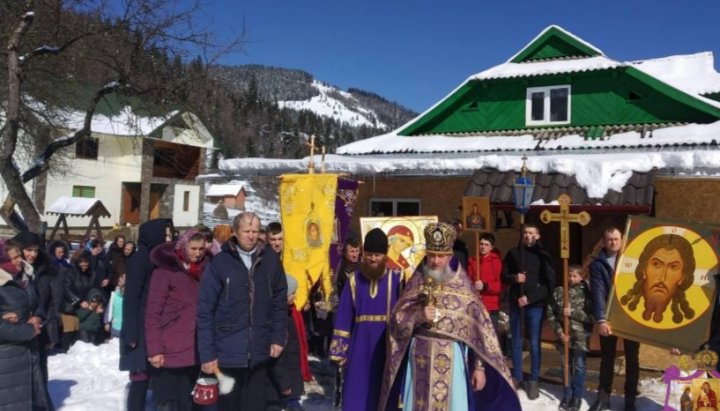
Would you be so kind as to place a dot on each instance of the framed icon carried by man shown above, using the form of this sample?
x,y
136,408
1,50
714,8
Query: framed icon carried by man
x,y
406,241
664,286
476,214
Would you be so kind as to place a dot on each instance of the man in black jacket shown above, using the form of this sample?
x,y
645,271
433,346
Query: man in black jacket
x,y
602,271
531,278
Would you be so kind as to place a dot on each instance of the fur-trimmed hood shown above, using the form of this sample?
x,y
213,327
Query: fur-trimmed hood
x,y
163,256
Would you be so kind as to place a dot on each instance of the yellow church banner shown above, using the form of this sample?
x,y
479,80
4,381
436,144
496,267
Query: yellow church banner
x,y
307,208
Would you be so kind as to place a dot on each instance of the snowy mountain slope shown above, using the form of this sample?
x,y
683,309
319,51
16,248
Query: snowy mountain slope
x,y
338,104
299,90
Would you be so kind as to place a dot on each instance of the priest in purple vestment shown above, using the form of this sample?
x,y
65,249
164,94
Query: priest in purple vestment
x,y
443,352
358,343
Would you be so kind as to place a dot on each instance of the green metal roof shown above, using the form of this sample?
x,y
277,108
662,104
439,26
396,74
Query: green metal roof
x,y
555,43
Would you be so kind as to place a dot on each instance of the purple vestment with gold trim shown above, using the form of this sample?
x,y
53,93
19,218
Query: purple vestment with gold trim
x,y
359,336
462,318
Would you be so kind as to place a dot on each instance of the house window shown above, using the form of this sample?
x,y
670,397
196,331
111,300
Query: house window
x,y
186,201
87,148
83,191
390,207
547,105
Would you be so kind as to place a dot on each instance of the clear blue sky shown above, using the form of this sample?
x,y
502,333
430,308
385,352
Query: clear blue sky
x,y
415,52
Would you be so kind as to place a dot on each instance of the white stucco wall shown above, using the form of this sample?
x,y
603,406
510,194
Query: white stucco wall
x,y
190,217
118,161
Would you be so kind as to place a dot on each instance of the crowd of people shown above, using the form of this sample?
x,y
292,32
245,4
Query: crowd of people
x,y
436,341
218,303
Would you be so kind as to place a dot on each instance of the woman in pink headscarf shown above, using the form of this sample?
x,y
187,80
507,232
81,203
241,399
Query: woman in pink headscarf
x,y
170,318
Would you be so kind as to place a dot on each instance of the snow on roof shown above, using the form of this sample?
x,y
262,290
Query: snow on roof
x,y
125,123
550,27
695,78
597,173
393,143
670,136
77,206
539,68
691,72
222,190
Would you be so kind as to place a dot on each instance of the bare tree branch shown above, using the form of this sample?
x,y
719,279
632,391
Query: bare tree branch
x,y
41,162
55,57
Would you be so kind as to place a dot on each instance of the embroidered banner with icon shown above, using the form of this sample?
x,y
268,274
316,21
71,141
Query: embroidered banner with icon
x,y
307,207
345,200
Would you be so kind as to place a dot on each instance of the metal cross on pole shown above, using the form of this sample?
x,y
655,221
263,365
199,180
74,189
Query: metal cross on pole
x,y
564,217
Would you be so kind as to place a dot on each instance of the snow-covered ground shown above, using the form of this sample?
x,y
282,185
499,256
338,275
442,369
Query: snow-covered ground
x,y
87,379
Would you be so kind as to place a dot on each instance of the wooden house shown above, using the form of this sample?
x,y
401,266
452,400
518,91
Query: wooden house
x,y
232,195
140,168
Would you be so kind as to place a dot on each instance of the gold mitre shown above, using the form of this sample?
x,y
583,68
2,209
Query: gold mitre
x,y
706,359
439,238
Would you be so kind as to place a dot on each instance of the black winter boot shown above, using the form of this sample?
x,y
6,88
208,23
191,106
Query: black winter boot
x,y
630,403
564,404
532,389
602,402
575,404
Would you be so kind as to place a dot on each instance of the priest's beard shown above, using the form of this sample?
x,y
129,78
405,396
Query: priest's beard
x,y
373,273
440,275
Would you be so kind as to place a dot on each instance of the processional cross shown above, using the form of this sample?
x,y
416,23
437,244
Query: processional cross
x,y
312,146
564,217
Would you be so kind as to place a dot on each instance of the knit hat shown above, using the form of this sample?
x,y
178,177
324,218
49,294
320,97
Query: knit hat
x,y
292,284
439,238
376,241
28,239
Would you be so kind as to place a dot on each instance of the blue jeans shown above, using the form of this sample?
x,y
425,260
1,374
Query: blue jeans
x,y
577,373
533,321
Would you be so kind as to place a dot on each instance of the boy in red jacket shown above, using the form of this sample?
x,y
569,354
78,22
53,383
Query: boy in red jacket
x,y
486,277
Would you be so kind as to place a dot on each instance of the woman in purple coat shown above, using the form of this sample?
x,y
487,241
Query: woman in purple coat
x,y
170,319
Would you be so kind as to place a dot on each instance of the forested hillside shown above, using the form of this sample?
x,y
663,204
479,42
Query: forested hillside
x,y
242,106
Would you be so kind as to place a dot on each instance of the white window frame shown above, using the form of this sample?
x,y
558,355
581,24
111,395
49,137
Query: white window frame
x,y
395,202
546,106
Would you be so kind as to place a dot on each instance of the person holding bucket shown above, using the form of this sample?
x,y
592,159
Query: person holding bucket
x,y
242,315
170,319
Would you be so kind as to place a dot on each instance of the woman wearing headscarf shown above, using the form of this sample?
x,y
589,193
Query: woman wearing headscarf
x,y
171,318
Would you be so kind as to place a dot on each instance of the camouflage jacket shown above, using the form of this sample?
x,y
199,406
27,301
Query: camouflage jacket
x,y
581,320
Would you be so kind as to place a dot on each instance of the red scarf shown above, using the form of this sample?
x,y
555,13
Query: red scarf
x,y
300,329
195,269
